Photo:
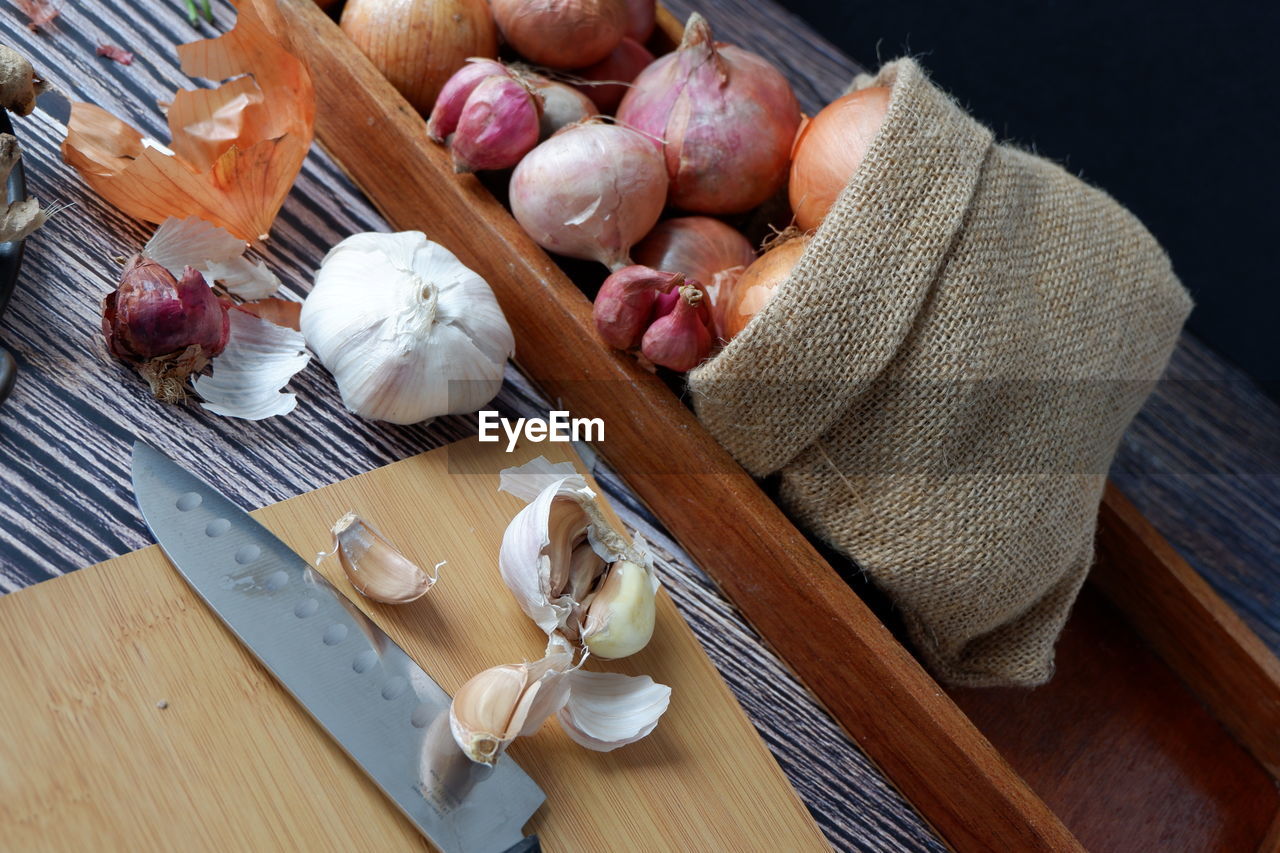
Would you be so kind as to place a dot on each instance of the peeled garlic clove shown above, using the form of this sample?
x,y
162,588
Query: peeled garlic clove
x,y
619,621
607,710
374,566
503,702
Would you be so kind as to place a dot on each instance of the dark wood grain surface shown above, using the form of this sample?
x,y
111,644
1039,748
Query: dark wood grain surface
x,y
1201,461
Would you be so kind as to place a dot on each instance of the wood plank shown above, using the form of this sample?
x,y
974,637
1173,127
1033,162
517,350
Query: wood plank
x,y
855,667
1122,751
1194,630
90,760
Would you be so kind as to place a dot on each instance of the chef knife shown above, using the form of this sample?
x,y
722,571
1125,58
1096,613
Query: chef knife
x,y
384,711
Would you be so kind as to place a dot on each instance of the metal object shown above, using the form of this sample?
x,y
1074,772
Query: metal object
x,y
10,261
380,706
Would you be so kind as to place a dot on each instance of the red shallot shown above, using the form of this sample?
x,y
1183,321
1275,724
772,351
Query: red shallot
x,y
498,126
561,33
679,340
624,306
829,150
727,116
167,328
453,97
619,68
755,287
591,191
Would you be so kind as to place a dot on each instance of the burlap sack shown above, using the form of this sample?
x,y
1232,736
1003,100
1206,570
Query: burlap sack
x,y
944,379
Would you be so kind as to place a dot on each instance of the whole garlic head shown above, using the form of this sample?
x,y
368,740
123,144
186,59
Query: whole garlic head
x,y
406,329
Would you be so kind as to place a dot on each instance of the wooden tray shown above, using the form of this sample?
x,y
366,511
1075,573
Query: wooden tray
x,y
962,784
89,761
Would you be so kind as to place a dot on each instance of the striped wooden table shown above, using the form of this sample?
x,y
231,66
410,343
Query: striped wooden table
x,y
66,430
1201,461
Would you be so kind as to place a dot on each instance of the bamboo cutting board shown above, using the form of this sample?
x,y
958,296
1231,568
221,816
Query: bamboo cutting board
x,y
130,718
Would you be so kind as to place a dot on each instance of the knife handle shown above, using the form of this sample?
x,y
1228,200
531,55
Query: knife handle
x,y
528,844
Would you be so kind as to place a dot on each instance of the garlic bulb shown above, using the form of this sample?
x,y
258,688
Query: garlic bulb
x,y
374,566
606,710
569,569
504,702
406,329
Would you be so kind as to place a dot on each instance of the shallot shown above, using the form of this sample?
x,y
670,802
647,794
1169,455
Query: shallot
x,y
756,286
167,328
608,78
625,304
679,340
641,17
562,105
728,119
561,33
498,125
591,191
829,150
453,97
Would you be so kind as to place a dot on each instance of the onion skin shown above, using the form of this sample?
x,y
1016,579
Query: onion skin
x,y
453,97
591,191
166,327
419,44
756,286
702,248
642,16
498,126
830,149
679,340
728,117
626,61
624,307
561,33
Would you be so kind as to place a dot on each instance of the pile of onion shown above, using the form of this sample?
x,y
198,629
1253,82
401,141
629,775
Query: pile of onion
x,y
755,287
561,33
829,150
419,44
705,250
728,119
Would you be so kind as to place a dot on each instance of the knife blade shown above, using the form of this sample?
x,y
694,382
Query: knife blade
x,y
384,711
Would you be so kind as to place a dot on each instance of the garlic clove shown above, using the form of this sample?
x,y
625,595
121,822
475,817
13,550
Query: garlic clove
x,y
606,710
503,702
374,566
619,620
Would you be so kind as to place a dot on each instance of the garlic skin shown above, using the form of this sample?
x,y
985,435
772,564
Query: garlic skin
x,y
606,710
504,702
406,329
619,620
373,565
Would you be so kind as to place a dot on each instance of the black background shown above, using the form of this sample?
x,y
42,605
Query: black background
x,y
1172,107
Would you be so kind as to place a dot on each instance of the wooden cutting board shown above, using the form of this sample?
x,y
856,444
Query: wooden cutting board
x,y
130,718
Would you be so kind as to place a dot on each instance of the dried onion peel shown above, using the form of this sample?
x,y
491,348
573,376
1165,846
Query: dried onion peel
x,y
236,148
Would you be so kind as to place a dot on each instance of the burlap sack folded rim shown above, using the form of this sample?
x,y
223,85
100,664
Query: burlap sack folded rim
x,y
795,399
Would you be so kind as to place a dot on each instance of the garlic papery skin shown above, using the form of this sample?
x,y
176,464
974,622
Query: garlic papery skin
x,y
541,559
408,332
503,702
373,565
619,619
606,710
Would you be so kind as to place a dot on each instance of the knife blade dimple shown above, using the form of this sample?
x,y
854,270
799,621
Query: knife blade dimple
x,y
383,709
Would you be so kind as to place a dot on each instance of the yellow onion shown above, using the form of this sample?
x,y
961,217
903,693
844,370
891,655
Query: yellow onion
x,y
829,150
419,44
756,286
706,250
561,33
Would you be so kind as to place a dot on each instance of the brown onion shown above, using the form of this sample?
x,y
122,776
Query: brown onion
x,y
561,33
704,249
419,44
756,286
728,118
590,191
627,60
829,151
641,17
